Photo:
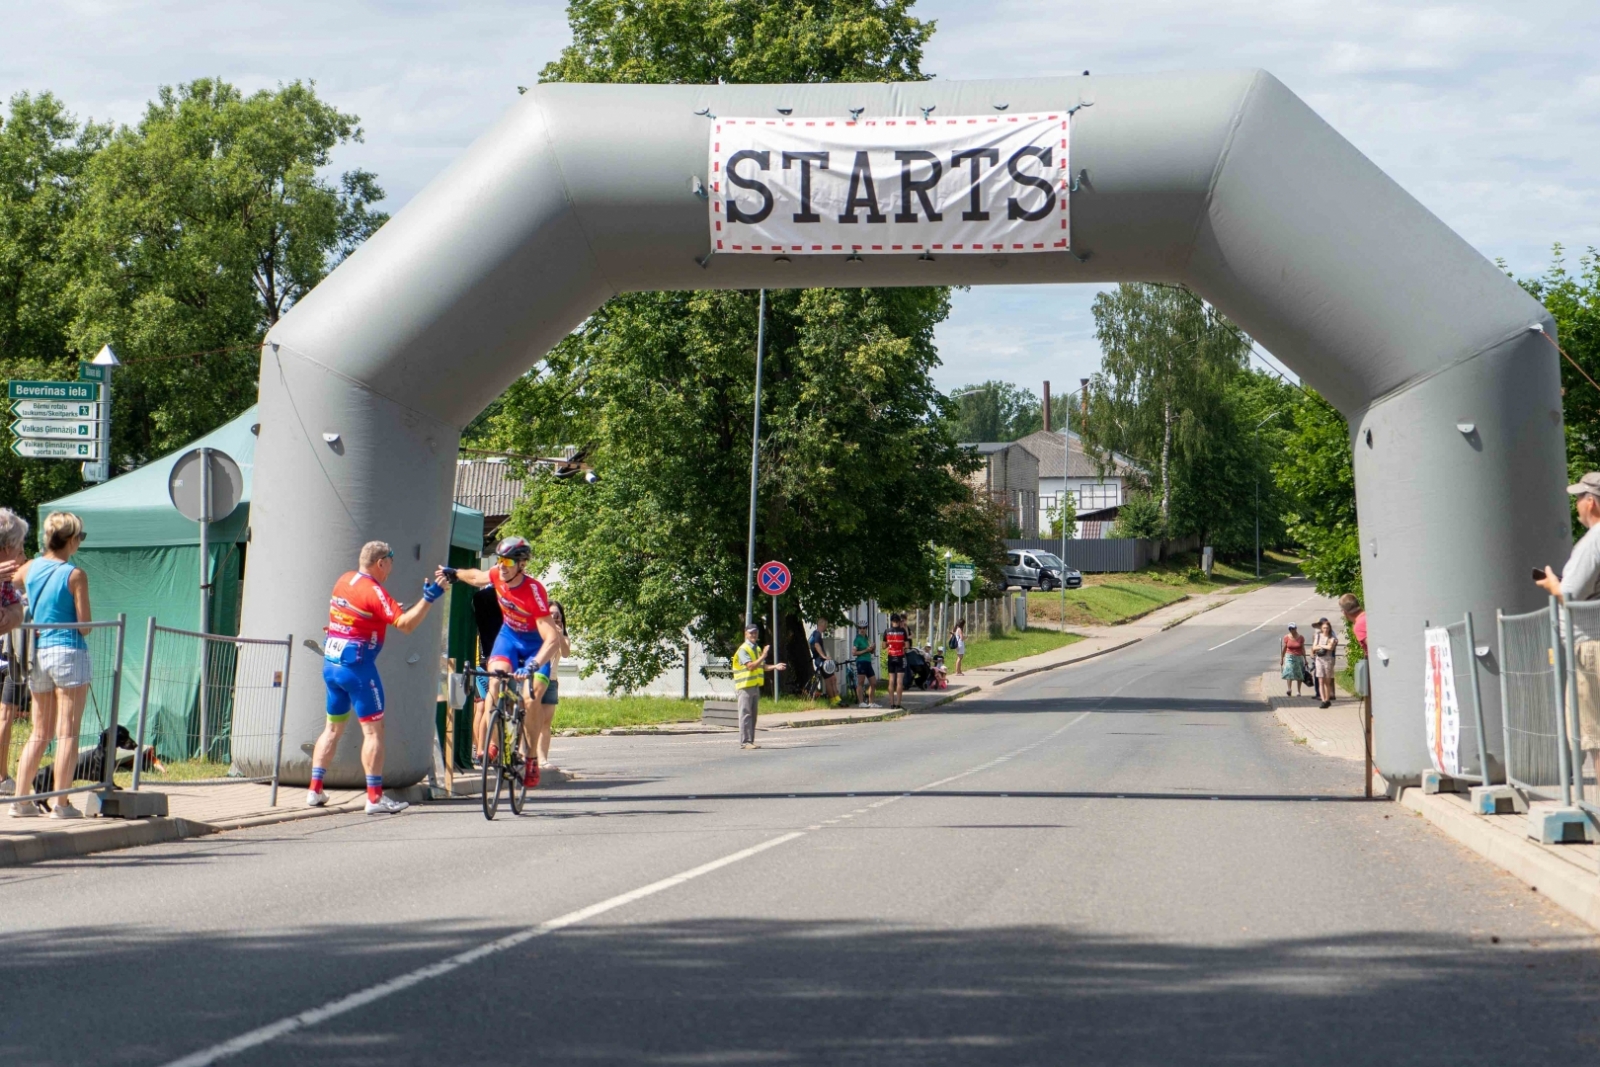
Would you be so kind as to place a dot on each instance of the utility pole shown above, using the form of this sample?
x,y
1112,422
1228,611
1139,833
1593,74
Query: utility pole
x,y
1260,424
755,466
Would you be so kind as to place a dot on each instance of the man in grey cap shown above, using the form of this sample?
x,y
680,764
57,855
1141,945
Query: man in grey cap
x,y
1580,580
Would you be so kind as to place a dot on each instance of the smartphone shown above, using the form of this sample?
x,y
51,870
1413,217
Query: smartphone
x,y
1538,574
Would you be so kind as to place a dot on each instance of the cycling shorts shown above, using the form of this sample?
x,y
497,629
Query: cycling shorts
x,y
895,664
353,686
518,651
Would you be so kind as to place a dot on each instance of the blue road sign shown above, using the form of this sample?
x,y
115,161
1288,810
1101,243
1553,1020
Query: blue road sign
x,y
773,578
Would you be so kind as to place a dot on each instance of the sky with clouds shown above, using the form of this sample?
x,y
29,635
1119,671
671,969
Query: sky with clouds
x,y
1488,112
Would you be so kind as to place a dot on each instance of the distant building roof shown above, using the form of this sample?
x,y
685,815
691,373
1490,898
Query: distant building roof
x,y
490,485
1046,445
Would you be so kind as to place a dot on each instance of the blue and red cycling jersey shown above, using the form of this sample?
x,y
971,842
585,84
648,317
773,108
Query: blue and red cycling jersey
x,y
521,605
360,612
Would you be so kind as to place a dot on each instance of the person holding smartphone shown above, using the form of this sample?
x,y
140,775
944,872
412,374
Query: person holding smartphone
x,y
1580,580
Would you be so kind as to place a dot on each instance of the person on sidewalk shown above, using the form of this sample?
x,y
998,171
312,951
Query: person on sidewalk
x,y
1356,616
1292,661
896,639
820,660
360,611
58,592
749,672
13,533
866,679
1580,581
958,643
1324,654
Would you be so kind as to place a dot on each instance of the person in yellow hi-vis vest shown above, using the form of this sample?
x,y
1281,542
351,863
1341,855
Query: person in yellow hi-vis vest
x,y
749,672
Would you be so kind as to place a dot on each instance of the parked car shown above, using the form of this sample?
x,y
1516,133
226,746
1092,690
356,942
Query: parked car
x,y
1031,569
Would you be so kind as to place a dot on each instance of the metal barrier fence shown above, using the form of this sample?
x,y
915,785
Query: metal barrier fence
x,y
87,680
1532,708
206,694
1582,641
1473,746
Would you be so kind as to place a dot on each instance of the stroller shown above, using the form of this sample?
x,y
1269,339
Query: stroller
x,y
919,672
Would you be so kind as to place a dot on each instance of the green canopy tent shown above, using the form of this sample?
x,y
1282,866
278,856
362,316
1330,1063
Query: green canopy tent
x,y
143,559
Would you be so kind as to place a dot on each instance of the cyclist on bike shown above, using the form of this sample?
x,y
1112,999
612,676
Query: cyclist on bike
x,y
359,612
528,639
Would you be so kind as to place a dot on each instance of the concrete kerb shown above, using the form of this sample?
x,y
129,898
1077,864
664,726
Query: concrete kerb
x,y
1565,883
107,835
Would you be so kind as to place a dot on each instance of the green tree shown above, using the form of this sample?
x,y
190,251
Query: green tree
x,y
860,473
858,468
741,41
996,411
1573,299
1139,516
198,228
1317,488
1064,512
43,151
1162,388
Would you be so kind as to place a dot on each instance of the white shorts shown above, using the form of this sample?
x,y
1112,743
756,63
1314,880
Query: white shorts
x,y
58,667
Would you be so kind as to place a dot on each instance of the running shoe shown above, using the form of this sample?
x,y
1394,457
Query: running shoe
x,y
63,810
386,806
28,809
530,774
315,798
8,786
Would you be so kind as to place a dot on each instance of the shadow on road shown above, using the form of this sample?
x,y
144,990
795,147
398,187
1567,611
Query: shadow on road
x,y
759,992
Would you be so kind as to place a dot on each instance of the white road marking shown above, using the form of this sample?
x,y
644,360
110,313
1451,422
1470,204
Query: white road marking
x,y
361,998
1279,615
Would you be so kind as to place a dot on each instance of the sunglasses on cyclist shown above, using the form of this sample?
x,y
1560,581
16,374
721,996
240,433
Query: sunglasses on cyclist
x,y
507,560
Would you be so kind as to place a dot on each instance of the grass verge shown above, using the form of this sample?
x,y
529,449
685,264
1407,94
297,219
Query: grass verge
x,y
1108,599
988,651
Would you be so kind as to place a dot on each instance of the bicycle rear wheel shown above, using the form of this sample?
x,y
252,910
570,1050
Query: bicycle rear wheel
x,y
494,738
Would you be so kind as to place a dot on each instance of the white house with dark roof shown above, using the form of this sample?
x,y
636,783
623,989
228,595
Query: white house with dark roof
x,y
1073,469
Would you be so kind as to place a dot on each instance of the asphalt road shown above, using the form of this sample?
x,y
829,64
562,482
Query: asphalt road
x,y
1123,862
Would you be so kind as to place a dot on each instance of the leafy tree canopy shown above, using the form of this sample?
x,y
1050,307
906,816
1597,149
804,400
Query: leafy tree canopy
x,y
198,229
43,152
178,241
741,41
1572,296
996,411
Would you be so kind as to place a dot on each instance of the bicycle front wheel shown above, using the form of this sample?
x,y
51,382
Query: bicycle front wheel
x,y
493,765
519,786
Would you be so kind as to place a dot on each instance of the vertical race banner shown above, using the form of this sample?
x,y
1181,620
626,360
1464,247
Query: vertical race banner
x,y
1440,706
967,184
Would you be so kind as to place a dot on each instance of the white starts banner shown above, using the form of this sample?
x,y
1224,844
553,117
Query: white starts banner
x,y
992,183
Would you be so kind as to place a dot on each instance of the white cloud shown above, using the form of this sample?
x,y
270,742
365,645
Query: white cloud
x,y
1488,112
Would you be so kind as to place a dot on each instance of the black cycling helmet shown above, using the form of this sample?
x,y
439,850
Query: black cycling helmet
x,y
514,548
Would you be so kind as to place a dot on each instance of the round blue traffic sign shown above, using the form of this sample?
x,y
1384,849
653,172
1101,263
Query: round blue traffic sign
x,y
773,578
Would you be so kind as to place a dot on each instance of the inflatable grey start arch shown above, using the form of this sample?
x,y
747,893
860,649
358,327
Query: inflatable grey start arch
x,y
1226,183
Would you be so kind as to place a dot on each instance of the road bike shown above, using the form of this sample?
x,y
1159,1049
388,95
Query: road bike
x,y
503,763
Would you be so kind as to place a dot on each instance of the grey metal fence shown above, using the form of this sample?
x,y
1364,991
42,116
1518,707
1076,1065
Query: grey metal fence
x,y
1473,746
1582,641
206,698
85,685
1531,703
1108,555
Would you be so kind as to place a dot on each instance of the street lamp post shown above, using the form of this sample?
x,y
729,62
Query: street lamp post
x,y
1260,424
755,466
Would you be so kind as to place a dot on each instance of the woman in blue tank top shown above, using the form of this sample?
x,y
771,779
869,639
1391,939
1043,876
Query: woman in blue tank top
x,y
58,592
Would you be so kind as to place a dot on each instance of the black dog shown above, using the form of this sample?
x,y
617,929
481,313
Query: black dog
x,y
92,762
